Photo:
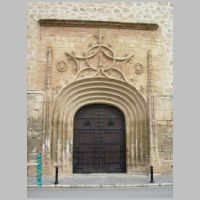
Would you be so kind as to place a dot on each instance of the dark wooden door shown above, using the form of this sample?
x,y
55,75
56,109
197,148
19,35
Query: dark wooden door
x,y
99,140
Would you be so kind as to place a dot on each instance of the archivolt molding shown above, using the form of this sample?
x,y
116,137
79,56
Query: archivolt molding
x,y
104,65
101,90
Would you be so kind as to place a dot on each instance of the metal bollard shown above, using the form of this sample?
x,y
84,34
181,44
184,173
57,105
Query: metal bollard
x,y
56,176
151,172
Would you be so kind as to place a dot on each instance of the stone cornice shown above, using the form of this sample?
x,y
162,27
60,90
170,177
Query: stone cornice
x,y
98,24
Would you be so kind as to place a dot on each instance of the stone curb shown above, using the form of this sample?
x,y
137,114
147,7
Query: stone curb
x,y
104,186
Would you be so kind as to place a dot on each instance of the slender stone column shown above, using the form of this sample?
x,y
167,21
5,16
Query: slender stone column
x,y
154,156
47,102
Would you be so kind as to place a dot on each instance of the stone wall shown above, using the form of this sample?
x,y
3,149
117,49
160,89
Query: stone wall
x,y
160,13
67,39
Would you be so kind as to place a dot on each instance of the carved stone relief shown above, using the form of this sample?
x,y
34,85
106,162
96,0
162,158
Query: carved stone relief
x,y
99,60
61,66
138,68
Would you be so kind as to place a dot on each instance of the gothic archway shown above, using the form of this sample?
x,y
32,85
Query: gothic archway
x,y
105,91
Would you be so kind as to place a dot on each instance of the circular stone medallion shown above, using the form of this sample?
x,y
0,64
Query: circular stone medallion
x,y
138,68
61,66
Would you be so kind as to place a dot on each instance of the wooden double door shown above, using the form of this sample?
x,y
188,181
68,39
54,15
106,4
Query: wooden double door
x,y
99,140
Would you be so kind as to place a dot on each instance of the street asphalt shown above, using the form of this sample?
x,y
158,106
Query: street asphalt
x,y
137,192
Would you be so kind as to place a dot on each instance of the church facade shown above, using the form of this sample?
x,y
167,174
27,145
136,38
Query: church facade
x,y
100,87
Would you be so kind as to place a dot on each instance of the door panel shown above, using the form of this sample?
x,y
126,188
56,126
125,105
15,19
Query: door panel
x,y
99,140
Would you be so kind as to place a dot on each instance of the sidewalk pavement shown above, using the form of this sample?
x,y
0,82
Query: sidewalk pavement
x,y
102,180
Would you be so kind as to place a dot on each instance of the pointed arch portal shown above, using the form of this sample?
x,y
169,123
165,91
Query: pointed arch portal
x,y
106,91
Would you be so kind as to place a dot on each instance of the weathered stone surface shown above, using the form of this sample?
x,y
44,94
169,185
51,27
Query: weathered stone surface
x,y
50,71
